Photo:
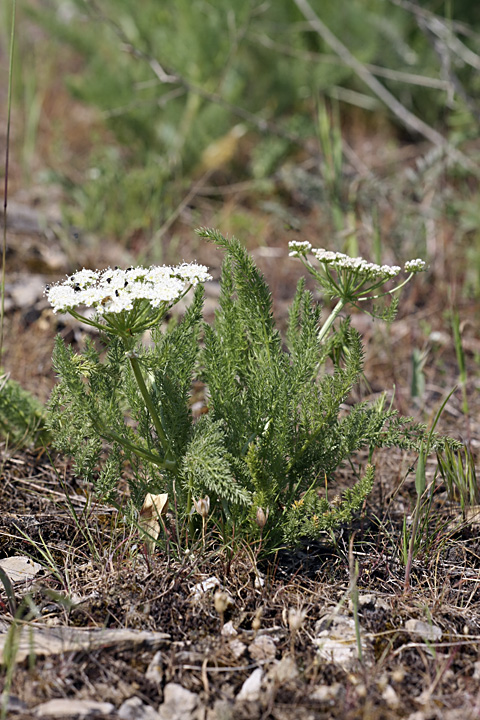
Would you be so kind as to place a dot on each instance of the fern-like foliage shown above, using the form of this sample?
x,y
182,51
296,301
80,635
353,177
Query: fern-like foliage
x,y
283,415
206,466
97,415
277,428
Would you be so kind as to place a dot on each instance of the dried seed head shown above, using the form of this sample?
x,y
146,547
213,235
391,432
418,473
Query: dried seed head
x,y
202,506
257,620
296,619
222,601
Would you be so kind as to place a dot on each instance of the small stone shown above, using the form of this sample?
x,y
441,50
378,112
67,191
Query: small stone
x,y
336,640
228,630
262,648
20,568
283,671
327,693
154,671
179,704
222,710
250,689
366,601
202,587
134,709
428,631
237,647
70,708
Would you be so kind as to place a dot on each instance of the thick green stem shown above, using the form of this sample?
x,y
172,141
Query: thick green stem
x,y
322,333
151,409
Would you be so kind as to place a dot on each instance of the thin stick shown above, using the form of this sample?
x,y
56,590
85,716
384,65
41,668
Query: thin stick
x,y
402,113
5,195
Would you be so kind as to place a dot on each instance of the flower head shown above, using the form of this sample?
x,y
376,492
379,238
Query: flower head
x,y
415,266
299,248
370,271
115,290
261,517
296,618
352,279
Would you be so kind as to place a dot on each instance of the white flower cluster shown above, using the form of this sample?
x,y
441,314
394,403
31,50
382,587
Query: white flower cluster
x,y
415,266
115,290
299,248
340,261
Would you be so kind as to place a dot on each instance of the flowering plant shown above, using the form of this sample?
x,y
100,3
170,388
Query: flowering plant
x,y
353,280
260,461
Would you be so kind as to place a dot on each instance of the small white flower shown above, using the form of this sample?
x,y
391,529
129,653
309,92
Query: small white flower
x,y
62,297
202,506
83,278
339,261
415,266
299,248
115,304
327,256
193,273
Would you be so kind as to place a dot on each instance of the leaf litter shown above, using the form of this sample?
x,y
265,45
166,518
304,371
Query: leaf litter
x,y
144,630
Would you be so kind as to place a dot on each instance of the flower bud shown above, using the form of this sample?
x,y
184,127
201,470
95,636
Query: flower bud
x,y
202,506
261,517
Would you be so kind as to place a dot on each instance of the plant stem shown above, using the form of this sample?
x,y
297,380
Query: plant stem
x,y
109,435
151,408
331,319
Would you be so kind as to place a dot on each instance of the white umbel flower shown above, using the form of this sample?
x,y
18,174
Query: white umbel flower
x,y
61,297
415,266
339,261
299,247
116,291
193,273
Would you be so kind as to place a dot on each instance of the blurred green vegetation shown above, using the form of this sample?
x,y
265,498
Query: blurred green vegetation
x,y
179,84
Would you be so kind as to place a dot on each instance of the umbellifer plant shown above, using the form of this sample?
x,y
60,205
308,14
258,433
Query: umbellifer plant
x,y
276,427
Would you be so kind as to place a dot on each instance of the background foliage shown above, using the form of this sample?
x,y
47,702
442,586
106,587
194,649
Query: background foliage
x,y
178,84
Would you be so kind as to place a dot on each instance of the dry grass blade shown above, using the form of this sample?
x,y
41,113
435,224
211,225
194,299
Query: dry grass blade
x,y
7,154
